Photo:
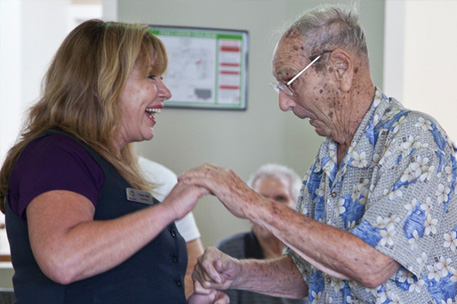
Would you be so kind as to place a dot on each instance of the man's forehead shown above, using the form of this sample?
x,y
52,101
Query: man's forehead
x,y
292,45
288,53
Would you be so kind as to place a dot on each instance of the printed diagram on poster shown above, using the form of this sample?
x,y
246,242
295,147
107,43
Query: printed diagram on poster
x,y
207,68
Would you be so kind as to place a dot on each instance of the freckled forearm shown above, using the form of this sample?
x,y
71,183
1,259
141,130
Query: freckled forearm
x,y
329,249
276,277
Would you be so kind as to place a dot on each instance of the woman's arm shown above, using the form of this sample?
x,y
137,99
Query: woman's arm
x,y
69,245
194,250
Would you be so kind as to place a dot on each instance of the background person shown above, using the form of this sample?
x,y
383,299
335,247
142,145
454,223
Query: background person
x,y
376,220
280,184
81,224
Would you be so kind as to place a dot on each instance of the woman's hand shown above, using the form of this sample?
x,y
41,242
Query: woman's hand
x,y
183,198
213,297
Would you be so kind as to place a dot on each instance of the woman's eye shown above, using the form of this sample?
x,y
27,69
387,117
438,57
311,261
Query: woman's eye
x,y
153,77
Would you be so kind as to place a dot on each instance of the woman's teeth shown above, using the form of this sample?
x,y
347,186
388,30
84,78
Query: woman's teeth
x,y
152,110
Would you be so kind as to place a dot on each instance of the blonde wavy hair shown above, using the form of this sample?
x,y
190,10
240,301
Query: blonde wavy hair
x,y
81,89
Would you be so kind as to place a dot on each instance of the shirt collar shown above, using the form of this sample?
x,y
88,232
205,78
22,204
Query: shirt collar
x,y
361,150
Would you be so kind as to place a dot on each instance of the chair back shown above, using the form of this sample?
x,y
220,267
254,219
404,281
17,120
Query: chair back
x,y
7,296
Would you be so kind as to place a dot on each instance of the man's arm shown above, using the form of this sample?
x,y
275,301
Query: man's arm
x,y
275,277
331,250
334,251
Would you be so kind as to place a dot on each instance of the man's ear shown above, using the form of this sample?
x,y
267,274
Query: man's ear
x,y
342,64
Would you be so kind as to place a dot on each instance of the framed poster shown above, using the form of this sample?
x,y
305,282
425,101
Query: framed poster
x,y
207,68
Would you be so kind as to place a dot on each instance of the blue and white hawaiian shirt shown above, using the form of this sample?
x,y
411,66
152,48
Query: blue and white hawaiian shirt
x,y
395,189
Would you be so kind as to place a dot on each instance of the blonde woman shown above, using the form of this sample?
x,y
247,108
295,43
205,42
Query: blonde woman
x,y
81,222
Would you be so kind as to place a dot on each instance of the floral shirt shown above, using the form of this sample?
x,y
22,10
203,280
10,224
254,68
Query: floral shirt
x,y
395,189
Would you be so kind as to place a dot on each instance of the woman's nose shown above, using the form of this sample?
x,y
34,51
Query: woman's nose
x,y
163,90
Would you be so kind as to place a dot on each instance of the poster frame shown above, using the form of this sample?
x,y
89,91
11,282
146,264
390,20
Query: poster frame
x,y
162,31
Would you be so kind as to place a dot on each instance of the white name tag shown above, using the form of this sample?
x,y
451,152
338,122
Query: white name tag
x,y
139,196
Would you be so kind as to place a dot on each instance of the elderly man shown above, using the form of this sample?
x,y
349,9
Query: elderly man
x,y
282,185
378,208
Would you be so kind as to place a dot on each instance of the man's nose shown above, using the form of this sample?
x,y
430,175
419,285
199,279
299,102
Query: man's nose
x,y
286,102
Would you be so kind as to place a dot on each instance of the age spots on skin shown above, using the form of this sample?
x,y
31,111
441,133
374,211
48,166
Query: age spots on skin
x,y
356,70
332,101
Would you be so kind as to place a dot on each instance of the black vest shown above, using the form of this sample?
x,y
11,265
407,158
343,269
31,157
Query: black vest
x,y
155,274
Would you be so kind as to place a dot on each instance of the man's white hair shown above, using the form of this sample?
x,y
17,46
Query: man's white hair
x,y
278,171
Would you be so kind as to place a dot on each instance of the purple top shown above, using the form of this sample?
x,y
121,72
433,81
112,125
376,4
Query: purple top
x,y
54,162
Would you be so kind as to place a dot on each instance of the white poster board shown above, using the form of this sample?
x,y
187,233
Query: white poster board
x,y
207,68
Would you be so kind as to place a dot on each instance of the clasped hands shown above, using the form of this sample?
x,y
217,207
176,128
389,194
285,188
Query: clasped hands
x,y
215,270
226,185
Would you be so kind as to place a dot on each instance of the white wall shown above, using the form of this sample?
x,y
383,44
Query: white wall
x,y
421,62
30,33
10,73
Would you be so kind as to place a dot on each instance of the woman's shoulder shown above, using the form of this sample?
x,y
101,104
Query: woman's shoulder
x,y
56,148
53,162
50,142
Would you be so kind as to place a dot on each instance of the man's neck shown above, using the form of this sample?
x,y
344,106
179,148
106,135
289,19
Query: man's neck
x,y
361,96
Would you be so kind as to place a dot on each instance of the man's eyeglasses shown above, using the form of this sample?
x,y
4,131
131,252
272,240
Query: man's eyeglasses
x,y
285,86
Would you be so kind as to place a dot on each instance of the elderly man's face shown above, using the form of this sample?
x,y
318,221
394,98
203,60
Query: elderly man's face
x,y
315,94
277,189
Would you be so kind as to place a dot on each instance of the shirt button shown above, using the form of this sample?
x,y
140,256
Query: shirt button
x,y
175,259
333,194
178,283
173,232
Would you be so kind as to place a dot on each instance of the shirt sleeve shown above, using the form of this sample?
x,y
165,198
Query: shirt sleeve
x,y
407,203
164,180
188,227
54,162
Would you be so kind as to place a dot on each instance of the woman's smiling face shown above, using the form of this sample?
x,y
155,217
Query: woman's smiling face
x,y
140,99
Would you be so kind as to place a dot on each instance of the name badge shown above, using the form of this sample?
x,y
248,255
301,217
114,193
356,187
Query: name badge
x,y
139,196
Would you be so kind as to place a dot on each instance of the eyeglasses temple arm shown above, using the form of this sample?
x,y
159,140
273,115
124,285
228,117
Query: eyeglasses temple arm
x,y
302,71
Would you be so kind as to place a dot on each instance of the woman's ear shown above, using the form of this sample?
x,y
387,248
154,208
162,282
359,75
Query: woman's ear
x,y
342,62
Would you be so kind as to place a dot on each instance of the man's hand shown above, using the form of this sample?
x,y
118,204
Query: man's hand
x,y
226,185
215,270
